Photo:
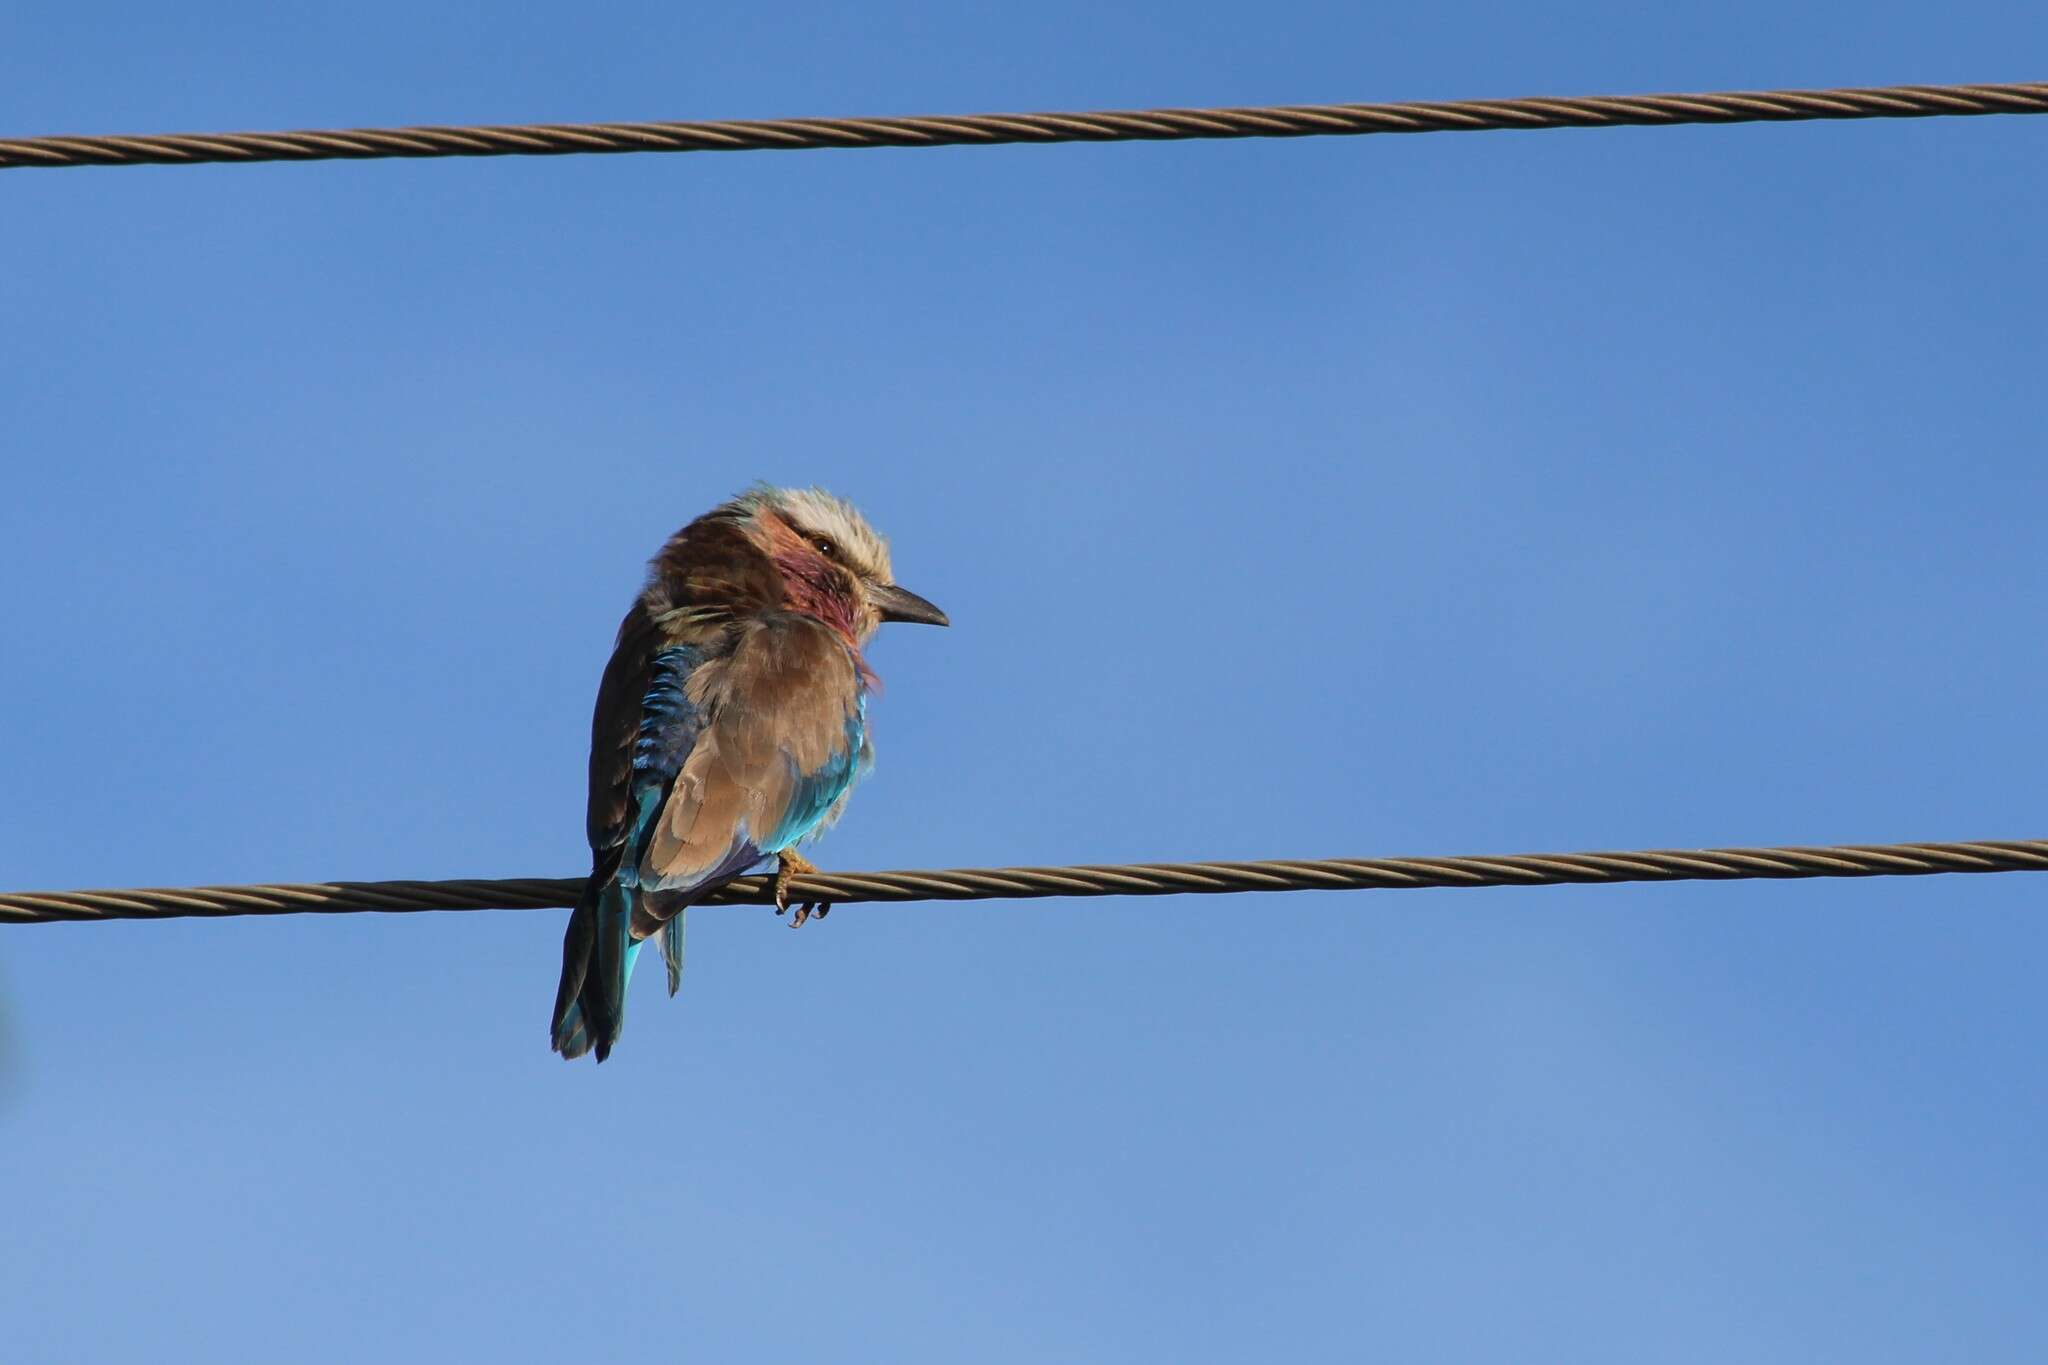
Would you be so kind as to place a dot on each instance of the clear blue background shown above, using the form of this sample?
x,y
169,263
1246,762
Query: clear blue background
x,y
1394,495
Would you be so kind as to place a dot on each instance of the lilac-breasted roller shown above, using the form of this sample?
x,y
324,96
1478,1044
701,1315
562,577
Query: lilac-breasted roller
x,y
731,724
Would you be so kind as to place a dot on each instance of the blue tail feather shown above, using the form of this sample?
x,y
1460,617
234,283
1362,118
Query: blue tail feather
x,y
598,954
672,948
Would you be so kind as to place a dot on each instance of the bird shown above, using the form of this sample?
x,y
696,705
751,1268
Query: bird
x,y
730,725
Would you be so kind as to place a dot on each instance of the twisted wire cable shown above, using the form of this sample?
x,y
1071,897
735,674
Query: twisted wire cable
x,y
1030,883
981,130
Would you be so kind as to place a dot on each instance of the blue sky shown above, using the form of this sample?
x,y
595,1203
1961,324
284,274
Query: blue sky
x,y
1379,496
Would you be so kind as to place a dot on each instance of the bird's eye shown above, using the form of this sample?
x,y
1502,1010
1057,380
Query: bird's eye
x,y
825,546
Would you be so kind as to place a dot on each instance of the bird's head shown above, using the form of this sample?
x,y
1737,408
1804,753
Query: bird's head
x,y
834,565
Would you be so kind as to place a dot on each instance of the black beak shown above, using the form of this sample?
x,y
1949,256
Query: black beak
x,y
901,604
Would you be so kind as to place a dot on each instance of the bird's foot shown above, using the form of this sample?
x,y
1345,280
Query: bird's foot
x,y
794,865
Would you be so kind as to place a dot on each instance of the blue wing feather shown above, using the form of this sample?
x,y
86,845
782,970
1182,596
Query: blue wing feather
x,y
669,727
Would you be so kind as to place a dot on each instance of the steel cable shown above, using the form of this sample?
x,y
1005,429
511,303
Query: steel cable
x,y
981,130
1030,883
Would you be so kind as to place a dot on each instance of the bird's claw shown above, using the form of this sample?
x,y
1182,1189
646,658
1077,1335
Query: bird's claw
x,y
792,865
